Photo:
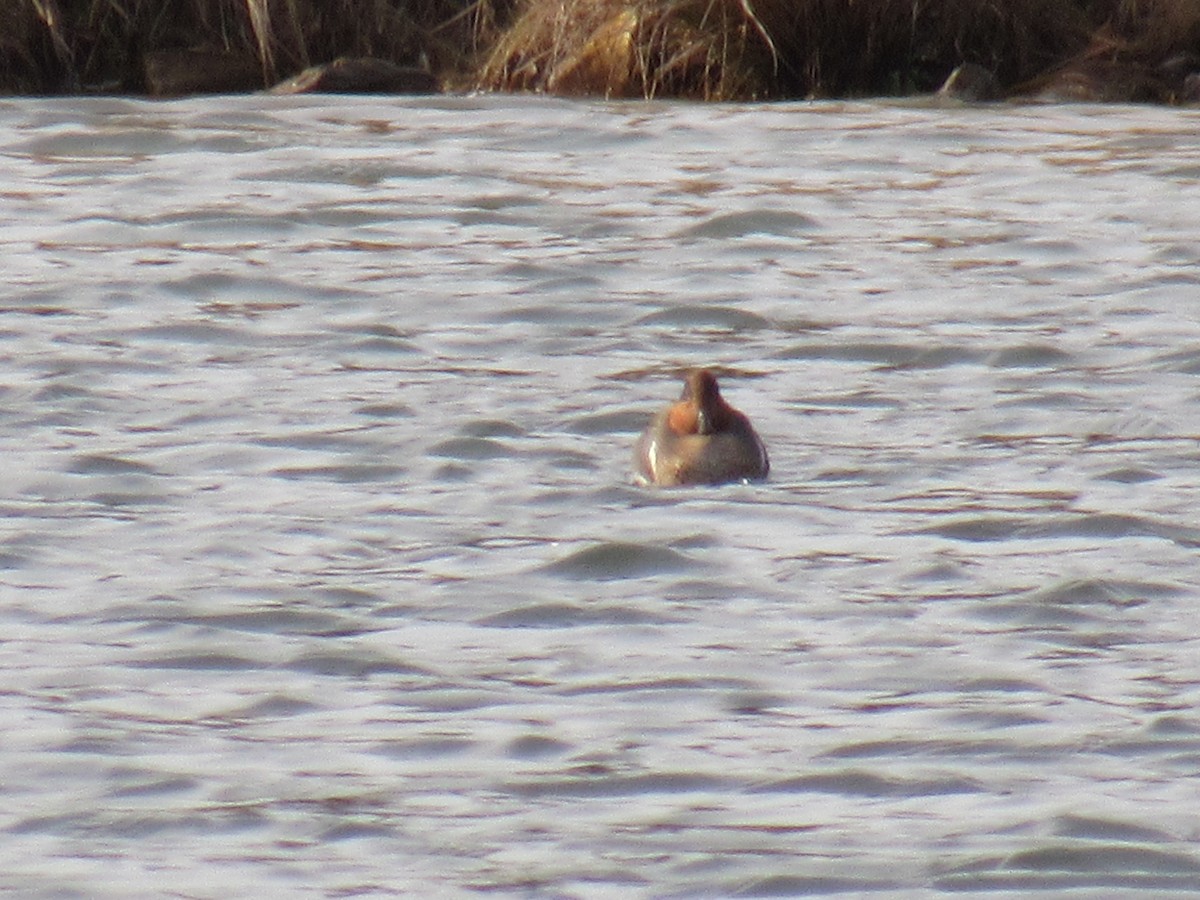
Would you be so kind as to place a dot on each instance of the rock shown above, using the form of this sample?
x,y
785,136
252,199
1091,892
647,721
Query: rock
x,y
970,83
1181,72
359,75
1189,92
1099,81
170,73
1178,66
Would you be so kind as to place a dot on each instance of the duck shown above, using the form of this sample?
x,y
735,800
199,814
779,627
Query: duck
x,y
700,439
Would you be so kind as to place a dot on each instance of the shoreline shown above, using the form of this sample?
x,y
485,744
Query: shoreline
x,y
717,50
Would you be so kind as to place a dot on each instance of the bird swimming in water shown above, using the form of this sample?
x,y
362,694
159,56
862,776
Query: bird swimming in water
x,y
700,439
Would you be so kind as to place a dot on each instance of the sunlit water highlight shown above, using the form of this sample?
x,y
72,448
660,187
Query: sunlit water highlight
x,y
323,572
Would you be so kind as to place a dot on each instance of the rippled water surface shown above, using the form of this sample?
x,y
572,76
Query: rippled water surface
x,y
323,571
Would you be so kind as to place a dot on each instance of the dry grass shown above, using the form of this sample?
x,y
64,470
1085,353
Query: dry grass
x,y
1159,27
290,35
724,49
710,49
1141,52
902,46
703,49
48,46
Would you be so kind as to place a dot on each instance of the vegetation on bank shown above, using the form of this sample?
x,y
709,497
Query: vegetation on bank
x,y
707,49
65,46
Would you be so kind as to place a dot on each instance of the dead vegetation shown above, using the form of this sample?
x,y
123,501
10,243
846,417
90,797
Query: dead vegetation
x,y
739,49
56,46
699,49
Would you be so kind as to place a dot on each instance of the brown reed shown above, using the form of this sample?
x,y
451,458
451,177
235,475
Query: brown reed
x,y
51,46
740,49
710,49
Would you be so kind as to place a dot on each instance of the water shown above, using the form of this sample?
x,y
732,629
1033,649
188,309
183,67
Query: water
x,y
322,568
